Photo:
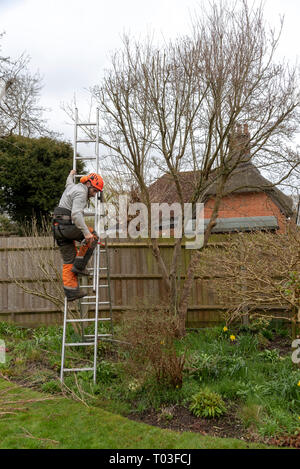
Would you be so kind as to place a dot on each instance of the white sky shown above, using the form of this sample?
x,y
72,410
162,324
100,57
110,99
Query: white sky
x,y
69,41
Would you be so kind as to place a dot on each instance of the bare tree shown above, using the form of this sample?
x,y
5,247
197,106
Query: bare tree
x,y
43,262
20,110
176,107
255,273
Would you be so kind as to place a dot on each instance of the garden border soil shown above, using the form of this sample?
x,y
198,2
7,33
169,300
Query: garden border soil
x,y
182,420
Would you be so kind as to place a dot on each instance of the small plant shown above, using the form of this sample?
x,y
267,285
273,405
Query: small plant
x,y
246,389
207,404
52,387
106,372
248,344
203,366
251,415
270,355
7,225
259,324
167,414
134,385
8,329
283,331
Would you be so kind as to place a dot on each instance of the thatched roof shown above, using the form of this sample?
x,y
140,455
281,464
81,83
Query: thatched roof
x,y
246,178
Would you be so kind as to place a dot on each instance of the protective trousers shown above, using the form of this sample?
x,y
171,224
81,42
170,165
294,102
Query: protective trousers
x,y
74,260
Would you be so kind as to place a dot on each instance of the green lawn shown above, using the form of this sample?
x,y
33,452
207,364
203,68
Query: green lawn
x,y
63,423
253,374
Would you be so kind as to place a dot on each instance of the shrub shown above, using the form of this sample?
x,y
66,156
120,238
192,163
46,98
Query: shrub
x,y
150,336
207,404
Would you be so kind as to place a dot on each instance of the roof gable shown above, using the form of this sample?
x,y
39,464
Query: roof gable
x,y
245,178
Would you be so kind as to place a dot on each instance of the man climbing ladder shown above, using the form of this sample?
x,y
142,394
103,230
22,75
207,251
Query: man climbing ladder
x,y
69,226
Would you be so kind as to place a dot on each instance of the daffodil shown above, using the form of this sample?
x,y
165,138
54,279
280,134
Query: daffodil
x,y
232,337
298,383
225,329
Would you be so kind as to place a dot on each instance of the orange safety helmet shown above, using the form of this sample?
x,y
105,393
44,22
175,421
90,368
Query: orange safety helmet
x,y
95,179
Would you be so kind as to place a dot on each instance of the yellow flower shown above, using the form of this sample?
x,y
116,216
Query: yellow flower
x,y
298,383
232,337
225,329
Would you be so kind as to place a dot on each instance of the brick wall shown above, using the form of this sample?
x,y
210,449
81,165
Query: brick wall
x,y
247,204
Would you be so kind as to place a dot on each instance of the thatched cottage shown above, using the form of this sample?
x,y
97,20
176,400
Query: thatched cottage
x,y
250,202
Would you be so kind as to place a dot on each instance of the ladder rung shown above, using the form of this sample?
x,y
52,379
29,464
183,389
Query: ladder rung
x,y
99,335
92,286
77,344
92,214
85,141
88,320
94,302
85,158
91,297
100,268
78,369
81,320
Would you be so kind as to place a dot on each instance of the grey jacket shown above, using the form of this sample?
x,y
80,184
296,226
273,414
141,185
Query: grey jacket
x,y
75,198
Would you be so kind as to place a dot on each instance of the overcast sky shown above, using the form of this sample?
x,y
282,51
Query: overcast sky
x,y
69,41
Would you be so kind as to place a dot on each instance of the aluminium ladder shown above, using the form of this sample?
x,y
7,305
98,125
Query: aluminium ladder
x,y
100,253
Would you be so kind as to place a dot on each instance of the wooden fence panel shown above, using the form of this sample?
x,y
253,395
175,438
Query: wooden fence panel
x,y
135,278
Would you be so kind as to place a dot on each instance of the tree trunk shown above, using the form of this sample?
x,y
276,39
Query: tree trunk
x,y
161,264
295,322
188,284
175,285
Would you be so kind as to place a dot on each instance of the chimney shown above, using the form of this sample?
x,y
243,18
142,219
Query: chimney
x,y
239,145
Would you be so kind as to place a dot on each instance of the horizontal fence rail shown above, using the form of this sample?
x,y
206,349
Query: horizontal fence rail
x,y
135,278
